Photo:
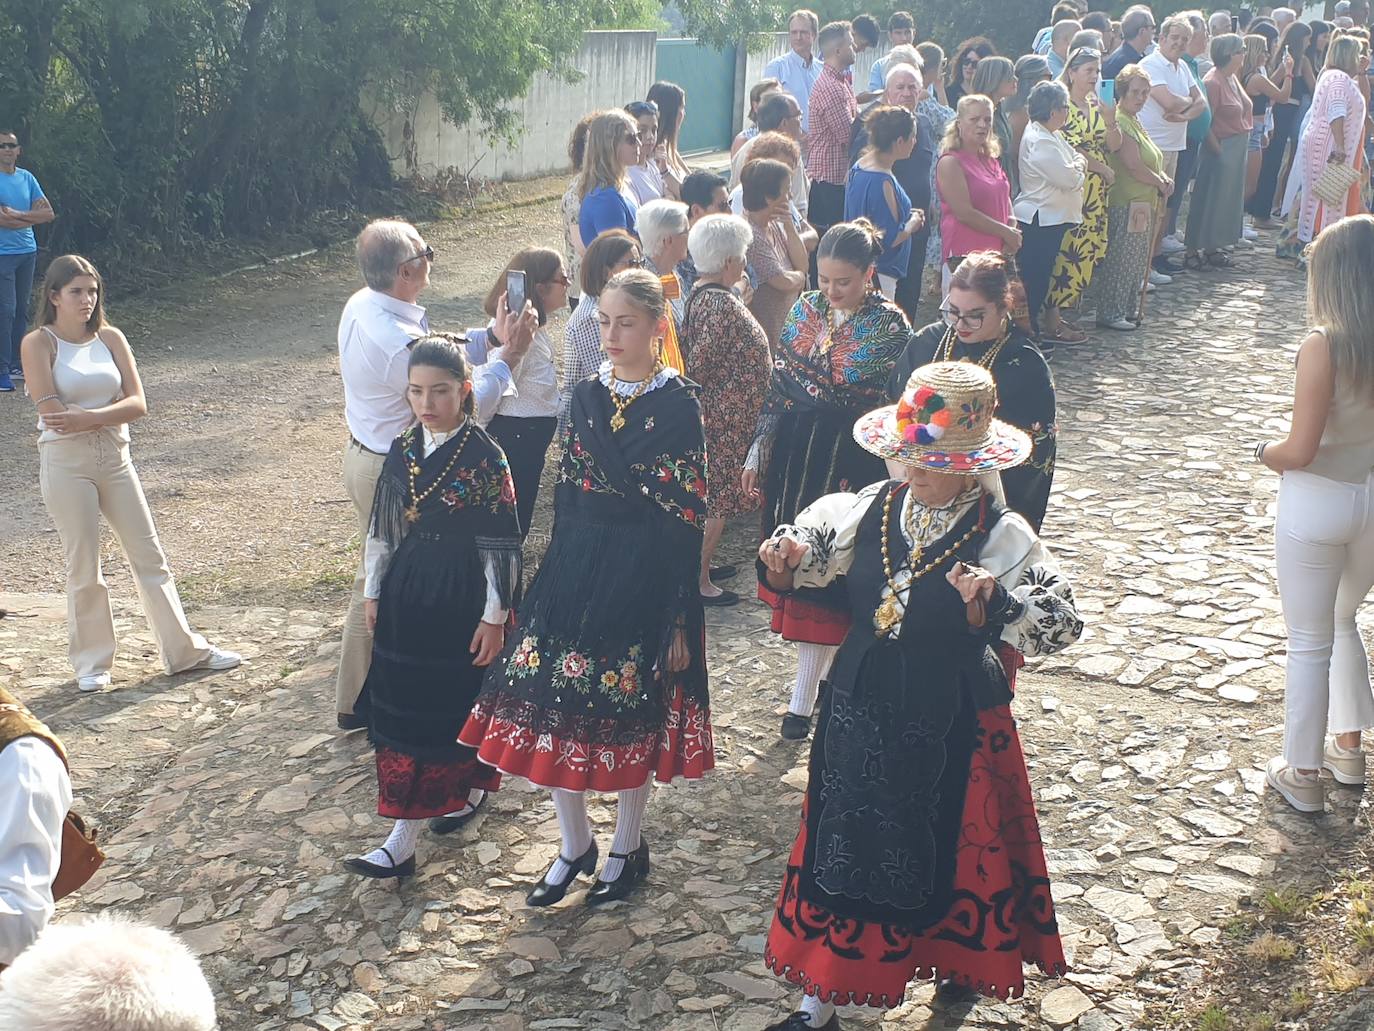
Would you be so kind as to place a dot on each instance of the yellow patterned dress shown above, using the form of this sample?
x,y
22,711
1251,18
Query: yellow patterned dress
x,y
1086,244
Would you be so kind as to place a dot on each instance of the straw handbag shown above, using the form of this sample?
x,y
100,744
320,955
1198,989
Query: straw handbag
x,y
1333,185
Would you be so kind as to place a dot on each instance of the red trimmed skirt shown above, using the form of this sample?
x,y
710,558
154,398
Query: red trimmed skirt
x,y
1002,917
412,789
683,748
797,619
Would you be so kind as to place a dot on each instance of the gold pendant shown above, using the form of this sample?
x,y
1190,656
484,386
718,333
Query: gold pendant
x,y
887,616
413,514
617,422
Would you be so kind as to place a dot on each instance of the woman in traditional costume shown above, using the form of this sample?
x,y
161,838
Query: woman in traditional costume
x,y
919,853
443,565
832,365
976,326
603,684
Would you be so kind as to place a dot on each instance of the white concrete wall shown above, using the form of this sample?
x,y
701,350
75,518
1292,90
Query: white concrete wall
x,y
616,67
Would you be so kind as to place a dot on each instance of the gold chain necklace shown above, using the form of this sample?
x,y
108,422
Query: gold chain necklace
x,y
945,352
888,614
412,512
618,419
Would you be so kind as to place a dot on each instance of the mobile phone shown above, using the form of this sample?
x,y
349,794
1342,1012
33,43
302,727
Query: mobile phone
x,y
1235,24
516,291
1106,91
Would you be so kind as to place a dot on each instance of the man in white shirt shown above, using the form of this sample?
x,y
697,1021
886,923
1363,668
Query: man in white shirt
x,y
798,69
380,323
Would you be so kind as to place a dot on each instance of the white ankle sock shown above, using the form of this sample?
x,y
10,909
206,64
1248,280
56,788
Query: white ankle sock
x,y
571,809
401,844
818,1013
813,663
628,817
475,797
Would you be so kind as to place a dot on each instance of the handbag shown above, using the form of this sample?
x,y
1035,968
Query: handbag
x,y
1333,185
81,857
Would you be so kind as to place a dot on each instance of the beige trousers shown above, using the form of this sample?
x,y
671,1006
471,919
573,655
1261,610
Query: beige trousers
x,y
82,478
360,472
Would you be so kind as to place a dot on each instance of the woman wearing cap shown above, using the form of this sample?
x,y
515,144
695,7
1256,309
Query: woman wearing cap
x,y
831,365
976,326
919,848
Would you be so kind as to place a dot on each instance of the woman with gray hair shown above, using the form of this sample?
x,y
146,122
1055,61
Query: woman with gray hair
x,y
727,355
1052,177
1031,70
662,228
1216,216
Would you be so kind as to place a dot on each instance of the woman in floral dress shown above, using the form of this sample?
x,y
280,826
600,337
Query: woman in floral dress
x,y
727,356
602,685
1093,132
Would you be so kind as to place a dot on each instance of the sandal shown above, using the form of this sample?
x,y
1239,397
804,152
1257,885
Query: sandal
x,y
1066,335
1220,259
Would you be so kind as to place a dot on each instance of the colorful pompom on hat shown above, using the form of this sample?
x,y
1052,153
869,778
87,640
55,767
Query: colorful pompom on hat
x,y
944,423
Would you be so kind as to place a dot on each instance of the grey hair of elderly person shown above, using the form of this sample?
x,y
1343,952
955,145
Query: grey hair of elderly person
x,y
658,220
106,974
1045,99
1031,70
1086,38
716,239
905,55
381,247
1219,23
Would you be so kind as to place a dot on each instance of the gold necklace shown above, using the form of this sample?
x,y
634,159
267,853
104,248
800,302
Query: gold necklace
x,y
618,419
412,512
945,352
888,615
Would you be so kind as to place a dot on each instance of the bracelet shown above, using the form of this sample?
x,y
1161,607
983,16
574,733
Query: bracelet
x,y
50,397
1259,450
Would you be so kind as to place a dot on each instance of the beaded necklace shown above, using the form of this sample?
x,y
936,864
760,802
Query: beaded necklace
x,y
412,512
889,614
945,352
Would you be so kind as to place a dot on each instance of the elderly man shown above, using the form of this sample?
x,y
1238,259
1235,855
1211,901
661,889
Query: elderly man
x,y
1137,37
904,89
380,323
833,110
798,69
1060,37
1063,11
1219,23
778,113
22,206
901,31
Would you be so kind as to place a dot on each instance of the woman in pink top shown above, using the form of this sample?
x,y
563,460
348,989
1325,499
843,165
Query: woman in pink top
x,y
975,197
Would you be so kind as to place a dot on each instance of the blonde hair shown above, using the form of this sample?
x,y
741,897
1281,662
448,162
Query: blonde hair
x,y
1131,73
1340,302
600,166
643,289
1344,54
1256,55
953,141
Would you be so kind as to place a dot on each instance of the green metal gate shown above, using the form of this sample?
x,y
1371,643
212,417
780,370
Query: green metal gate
x,y
707,76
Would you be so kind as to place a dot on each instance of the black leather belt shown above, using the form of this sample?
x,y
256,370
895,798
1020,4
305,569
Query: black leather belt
x,y
358,443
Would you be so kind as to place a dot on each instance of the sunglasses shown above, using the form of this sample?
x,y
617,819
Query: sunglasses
x,y
641,107
637,262
427,254
972,62
9,146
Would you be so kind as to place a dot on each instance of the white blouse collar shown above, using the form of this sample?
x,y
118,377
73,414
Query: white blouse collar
x,y
627,387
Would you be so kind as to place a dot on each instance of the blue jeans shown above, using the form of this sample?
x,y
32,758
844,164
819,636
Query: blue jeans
x,y
16,287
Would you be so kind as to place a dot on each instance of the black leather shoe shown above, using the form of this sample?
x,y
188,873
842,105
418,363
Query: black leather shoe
x,y
795,728
362,867
797,1022
351,721
723,572
722,600
546,893
635,870
449,824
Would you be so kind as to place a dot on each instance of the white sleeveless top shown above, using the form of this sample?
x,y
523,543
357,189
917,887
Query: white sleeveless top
x,y
84,376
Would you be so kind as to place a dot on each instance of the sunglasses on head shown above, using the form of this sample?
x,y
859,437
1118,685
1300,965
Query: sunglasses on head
x,y
639,108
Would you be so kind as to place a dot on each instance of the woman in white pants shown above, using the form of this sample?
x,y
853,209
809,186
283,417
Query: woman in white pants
x,y
1325,531
82,375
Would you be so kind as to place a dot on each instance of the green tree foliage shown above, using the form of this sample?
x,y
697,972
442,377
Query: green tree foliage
x,y
153,123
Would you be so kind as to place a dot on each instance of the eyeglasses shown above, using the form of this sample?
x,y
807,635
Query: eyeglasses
x,y
9,146
427,254
637,262
954,318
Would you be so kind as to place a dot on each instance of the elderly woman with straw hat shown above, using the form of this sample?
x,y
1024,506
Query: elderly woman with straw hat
x,y
919,848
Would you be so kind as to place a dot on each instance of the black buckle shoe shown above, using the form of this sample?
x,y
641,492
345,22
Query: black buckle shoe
x,y
636,869
396,870
797,1022
449,824
546,893
349,722
795,728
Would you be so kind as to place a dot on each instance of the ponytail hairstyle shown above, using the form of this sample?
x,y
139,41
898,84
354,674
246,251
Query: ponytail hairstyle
x,y
62,271
445,351
644,290
988,274
858,243
886,124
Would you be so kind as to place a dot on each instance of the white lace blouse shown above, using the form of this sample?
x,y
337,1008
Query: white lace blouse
x,y
1044,617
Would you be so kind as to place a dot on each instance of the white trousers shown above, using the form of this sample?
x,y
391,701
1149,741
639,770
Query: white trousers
x,y
1324,541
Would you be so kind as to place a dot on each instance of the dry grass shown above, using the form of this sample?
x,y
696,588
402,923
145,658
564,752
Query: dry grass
x,y
1270,949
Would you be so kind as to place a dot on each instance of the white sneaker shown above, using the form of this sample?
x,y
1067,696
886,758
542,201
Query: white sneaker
x,y
1149,288
93,682
1346,765
1303,791
220,660
1171,245
1159,278
1250,233
1123,324
1245,241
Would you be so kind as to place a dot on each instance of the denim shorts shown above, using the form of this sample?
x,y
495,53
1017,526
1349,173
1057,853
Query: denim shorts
x,y
1256,137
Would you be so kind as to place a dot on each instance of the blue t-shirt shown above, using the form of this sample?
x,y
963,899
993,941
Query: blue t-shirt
x,y
605,208
863,196
19,191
